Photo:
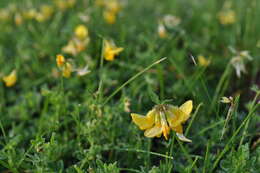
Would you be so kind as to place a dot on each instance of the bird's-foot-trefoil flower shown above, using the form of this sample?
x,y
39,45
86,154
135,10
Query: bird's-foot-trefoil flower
x,y
10,79
162,118
18,19
162,32
67,67
203,61
60,60
81,32
64,65
109,16
110,50
227,15
45,13
112,8
79,41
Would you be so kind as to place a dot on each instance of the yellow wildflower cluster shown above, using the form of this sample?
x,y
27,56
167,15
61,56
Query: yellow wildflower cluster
x,y
45,13
162,118
111,9
19,16
41,14
79,41
64,65
10,79
110,50
67,68
227,16
64,4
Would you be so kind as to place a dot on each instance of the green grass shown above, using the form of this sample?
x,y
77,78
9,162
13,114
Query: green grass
x,y
80,124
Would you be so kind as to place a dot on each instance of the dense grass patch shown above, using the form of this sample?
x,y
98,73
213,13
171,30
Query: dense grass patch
x,y
122,57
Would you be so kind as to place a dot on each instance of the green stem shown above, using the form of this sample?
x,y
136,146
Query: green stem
x,y
193,117
247,123
219,86
133,78
100,85
232,138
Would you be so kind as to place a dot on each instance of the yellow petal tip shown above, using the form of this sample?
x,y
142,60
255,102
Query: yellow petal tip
x,y
187,107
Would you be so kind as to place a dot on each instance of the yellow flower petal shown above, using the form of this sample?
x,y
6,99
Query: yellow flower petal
x,y
154,131
203,61
70,48
109,16
186,108
110,50
174,116
178,129
117,50
10,79
81,32
144,122
166,131
183,138
162,31
60,60
67,70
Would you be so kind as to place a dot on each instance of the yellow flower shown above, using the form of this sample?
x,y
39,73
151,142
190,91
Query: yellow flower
x,y
47,11
162,118
66,72
203,61
64,66
110,50
81,32
162,31
227,17
39,17
10,79
113,6
75,46
109,16
60,60
70,48
18,19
